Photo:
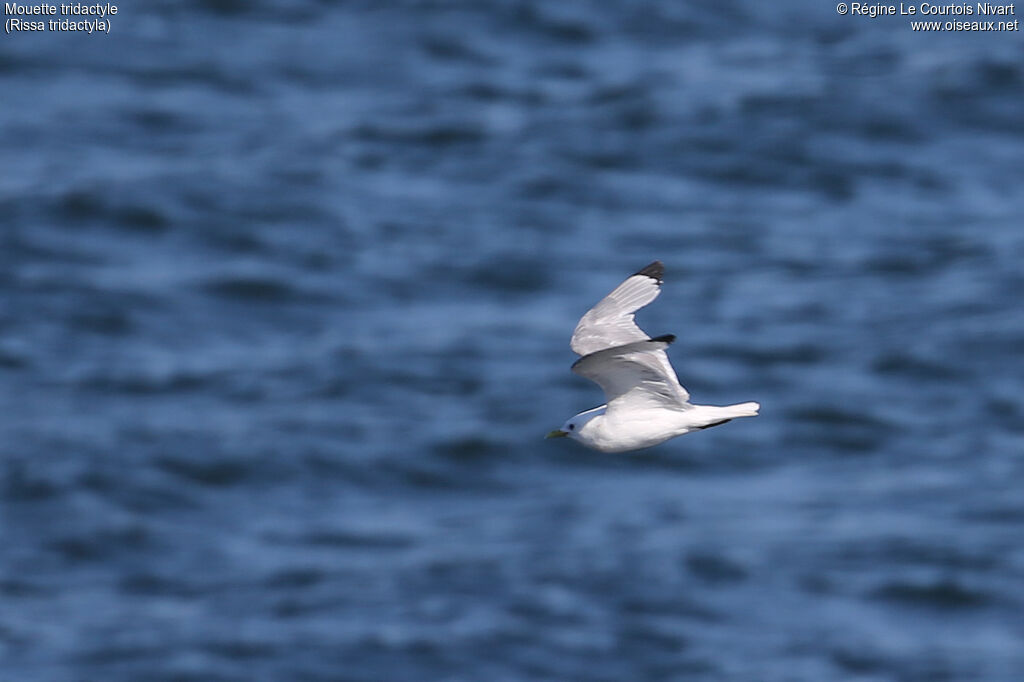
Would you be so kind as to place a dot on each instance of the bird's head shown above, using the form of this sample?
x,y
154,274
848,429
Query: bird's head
x,y
568,429
574,426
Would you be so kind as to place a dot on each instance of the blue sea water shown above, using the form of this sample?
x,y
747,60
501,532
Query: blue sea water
x,y
285,297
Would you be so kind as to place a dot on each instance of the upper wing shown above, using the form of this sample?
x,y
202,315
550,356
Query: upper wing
x,y
610,322
634,374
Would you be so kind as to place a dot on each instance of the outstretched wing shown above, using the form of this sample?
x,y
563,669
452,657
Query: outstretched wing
x,y
634,375
609,325
610,322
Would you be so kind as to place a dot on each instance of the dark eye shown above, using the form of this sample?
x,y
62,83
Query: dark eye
x,y
572,426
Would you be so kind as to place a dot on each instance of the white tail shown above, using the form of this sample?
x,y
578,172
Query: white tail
x,y
706,416
740,410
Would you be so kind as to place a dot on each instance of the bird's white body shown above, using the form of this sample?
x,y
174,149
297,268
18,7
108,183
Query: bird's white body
x,y
646,403
633,431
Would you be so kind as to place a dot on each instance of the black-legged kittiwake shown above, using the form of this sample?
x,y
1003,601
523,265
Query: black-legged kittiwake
x,y
646,404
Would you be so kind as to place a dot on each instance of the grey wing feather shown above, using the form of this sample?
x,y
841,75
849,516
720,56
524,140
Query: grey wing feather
x,y
610,322
635,373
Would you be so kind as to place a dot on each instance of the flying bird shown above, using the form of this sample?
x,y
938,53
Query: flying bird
x,y
646,404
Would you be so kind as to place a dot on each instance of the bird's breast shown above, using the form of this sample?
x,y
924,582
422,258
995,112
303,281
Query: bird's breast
x,y
621,435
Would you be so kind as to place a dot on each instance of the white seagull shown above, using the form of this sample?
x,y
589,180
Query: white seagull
x,y
646,404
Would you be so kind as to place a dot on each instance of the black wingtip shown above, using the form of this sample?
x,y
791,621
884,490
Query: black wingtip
x,y
655,271
665,338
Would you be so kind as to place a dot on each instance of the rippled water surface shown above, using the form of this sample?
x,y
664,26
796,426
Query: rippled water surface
x,y
286,296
